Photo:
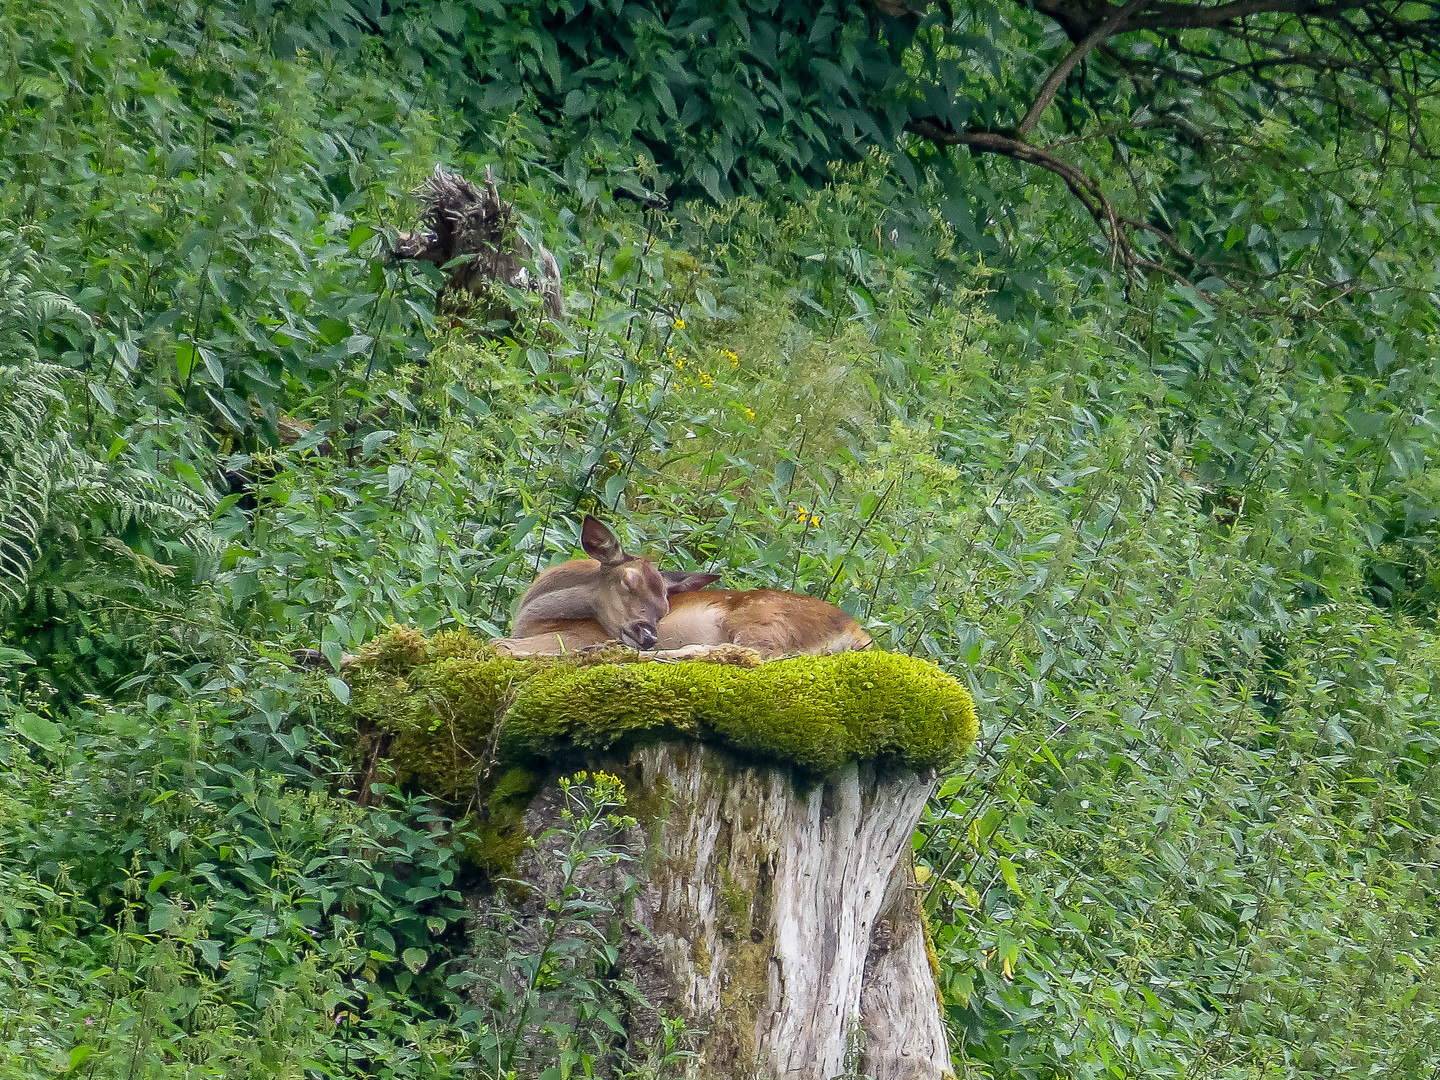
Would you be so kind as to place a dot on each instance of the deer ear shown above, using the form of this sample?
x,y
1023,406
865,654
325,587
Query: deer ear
x,y
678,581
599,542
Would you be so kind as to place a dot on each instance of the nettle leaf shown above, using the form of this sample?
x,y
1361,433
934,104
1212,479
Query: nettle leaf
x,y
374,440
41,731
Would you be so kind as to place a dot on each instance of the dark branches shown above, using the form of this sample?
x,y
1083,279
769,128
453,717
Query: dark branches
x,y
1250,59
1080,19
1116,226
1062,70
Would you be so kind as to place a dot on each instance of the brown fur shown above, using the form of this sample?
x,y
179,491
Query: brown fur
x,y
615,596
774,623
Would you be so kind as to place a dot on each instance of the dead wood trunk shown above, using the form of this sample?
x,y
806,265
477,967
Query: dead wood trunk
x,y
778,920
461,218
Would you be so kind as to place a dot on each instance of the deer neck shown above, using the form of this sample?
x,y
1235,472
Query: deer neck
x,y
569,593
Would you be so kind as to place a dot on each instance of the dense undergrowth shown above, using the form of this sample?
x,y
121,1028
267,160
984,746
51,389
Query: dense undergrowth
x,y
1180,545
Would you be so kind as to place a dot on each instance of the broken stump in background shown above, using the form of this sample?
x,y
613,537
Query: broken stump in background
x,y
460,218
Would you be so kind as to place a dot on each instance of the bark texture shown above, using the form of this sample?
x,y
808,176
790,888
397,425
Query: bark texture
x,y
463,218
778,920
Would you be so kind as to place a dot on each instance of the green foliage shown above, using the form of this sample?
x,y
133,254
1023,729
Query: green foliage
x,y
1178,544
29,454
547,985
1232,873
720,96
190,901
1208,139
166,914
215,245
97,556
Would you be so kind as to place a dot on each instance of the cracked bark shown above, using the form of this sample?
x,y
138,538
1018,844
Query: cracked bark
x,y
778,920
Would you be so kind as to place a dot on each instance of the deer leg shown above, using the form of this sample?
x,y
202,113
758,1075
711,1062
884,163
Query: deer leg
x,y
552,644
725,653
684,652
769,640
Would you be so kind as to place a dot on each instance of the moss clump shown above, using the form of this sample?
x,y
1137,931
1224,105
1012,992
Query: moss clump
x,y
446,711
437,702
703,959
495,837
440,698
818,712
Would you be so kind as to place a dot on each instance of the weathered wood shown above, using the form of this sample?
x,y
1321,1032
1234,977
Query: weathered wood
x,y
778,919
463,218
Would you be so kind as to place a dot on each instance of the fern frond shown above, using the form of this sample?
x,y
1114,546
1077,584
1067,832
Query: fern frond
x,y
47,307
24,308
30,458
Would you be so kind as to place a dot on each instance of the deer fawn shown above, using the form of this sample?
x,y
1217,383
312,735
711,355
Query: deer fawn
x,y
614,596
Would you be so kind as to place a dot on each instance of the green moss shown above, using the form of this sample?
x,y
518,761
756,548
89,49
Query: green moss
x,y
932,957
494,838
441,712
436,701
439,700
818,712
703,958
735,900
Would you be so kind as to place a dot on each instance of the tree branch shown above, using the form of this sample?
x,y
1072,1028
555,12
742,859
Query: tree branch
x,y
1302,57
1172,16
1086,189
1115,227
1080,18
1063,69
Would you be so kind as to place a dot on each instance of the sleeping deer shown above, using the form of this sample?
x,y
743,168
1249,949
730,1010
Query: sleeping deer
x,y
612,596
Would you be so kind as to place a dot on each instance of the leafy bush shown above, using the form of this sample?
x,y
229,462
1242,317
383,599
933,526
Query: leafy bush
x,y
216,248
189,898
719,94
1179,545
190,901
98,557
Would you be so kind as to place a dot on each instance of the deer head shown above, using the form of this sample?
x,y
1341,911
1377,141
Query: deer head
x,y
626,594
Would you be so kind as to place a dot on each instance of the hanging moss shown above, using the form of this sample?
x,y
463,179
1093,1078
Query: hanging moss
x,y
494,837
437,701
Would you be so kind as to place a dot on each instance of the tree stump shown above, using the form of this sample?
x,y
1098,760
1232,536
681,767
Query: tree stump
x,y
461,218
778,918
775,806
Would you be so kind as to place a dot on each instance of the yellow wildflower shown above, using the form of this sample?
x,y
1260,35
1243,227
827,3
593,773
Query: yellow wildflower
x,y
706,379
680,363
749,414
729,355
679,324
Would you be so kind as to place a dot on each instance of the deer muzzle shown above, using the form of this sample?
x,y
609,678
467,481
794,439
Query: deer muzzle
x,y
640,635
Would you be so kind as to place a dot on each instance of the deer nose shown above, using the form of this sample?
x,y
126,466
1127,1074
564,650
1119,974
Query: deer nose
x,y
642,635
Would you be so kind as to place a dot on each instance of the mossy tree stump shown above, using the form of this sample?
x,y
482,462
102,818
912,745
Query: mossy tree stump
x,y
775,808
776,917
